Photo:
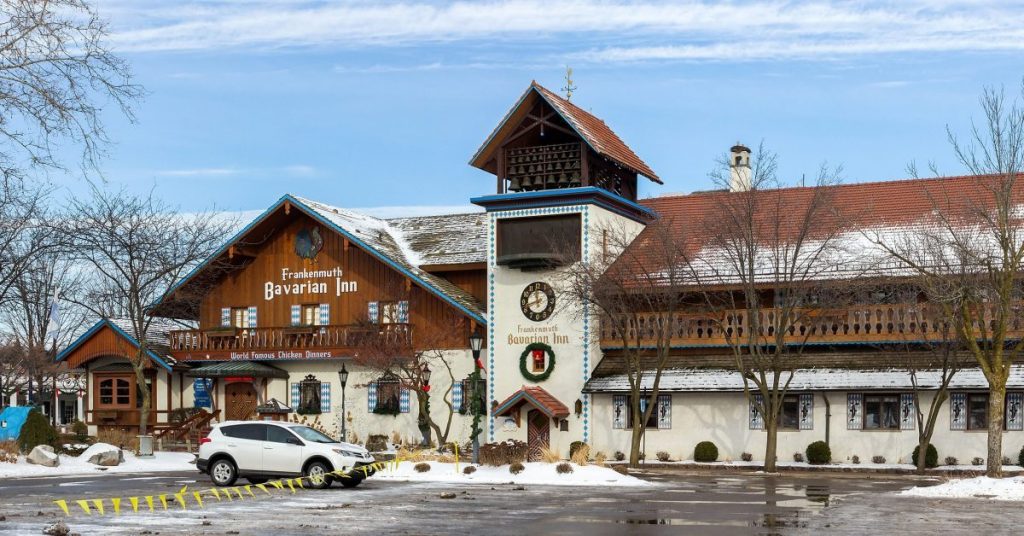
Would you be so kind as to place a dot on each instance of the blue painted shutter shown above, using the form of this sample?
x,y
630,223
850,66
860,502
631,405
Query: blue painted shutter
x,y
619,411
371,397
403,312
325,397
325,314
457,396
756,419
664,409
403,402
908,412
958,411
372,311
296,315
252,317
806,411
225,316
295,395
854,411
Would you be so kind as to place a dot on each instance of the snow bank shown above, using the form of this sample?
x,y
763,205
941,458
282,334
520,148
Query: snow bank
x,y
70,465
982,487
534,473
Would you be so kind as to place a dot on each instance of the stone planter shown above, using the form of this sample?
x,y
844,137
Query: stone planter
x,y
145,446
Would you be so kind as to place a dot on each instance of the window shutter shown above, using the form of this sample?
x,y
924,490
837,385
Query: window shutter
x,y
619,411
403,312
372,311
958,411
296,315
806,411
908,413
756,418
225,316
325,314
1015,410
664,412
403,402
854,411
371,396
325,397
295,395
457,396
252,317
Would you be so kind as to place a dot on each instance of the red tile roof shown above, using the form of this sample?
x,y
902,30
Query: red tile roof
x,y
536,397
889,204
591,129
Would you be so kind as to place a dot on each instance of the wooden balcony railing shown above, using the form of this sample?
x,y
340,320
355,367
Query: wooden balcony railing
x,y
862,323
288,337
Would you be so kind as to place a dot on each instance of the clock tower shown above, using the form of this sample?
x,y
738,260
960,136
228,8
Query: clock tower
x,y
564,179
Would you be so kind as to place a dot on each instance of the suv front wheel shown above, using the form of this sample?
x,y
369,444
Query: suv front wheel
x,y
316,472
223,472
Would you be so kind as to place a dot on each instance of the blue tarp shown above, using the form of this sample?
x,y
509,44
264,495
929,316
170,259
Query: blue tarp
x,y
14,417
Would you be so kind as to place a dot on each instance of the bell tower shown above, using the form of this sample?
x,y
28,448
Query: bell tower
x,y
562,179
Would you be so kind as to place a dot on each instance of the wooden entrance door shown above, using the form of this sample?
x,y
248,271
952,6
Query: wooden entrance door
x,y
538,434
239,401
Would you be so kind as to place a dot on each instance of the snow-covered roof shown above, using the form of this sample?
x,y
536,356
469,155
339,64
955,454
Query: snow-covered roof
x,y
825,379
446,239
395,240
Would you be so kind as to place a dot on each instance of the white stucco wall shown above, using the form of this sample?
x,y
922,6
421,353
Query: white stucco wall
x,y
722,418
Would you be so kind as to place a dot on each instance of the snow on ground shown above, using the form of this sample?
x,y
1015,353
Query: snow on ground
x,y
982,487
70,465
834,465
534,473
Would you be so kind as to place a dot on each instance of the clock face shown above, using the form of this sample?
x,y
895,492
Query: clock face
x,y
537,301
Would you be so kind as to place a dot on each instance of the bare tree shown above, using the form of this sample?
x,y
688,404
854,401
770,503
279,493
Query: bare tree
x,y
56,75
768,267
390,348
137,247
636,288
973,235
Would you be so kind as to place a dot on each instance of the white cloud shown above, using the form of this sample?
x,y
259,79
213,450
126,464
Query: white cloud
x,y
655,30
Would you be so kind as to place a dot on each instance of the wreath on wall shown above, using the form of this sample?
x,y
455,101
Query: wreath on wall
x,y
524,368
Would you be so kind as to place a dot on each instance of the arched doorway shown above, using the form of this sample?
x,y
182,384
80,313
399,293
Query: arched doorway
x,y
239,401
538,433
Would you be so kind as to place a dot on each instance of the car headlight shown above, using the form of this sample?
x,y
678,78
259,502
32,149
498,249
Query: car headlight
x,y
351,453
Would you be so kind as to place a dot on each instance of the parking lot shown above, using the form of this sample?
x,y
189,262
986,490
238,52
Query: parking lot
x,y
701,503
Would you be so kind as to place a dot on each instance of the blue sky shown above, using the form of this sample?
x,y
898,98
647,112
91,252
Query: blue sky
x,y
370,104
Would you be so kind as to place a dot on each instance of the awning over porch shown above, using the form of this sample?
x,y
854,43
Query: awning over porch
x,y
234,369
536,397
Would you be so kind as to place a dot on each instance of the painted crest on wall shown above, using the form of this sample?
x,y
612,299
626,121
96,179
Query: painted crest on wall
x,y
308,242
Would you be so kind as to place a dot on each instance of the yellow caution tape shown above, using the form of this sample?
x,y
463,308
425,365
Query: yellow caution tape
x,y
264,488
163,500
63,506
84,505
98,503
149,502
116,501
199,499
135,503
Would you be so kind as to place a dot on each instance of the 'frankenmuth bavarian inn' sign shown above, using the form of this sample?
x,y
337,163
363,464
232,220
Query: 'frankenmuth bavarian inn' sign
x,y
272,290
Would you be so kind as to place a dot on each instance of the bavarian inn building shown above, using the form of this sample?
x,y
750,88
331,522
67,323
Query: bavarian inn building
x,y
263,327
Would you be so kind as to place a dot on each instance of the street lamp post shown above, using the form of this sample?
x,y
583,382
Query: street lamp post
x,y
343,377
476,343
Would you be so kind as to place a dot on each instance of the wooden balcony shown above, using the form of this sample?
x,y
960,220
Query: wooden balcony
x,y
888,323
284,342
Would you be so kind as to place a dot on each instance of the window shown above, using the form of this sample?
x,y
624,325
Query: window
x,y
881,412
240,317
539,360
539,242
467,397
309,396
652,421
977,411
790,418
255,432
115,392
389,312
276,434
311,314
389,392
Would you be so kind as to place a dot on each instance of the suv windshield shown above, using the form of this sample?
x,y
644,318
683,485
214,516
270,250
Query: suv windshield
x,y
310,434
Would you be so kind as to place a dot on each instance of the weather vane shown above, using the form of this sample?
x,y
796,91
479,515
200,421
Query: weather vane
x,y
569,87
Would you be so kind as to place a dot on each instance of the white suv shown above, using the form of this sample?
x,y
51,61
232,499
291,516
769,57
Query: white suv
x,y
261,450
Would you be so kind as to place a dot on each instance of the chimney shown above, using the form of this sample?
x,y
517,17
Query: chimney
x,y
739,168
